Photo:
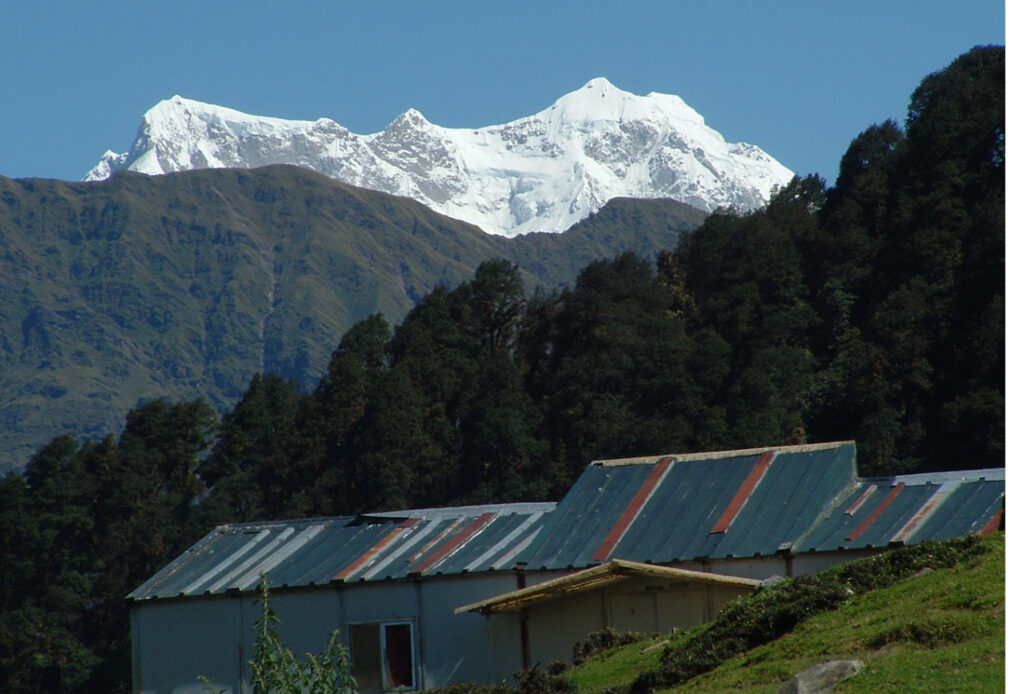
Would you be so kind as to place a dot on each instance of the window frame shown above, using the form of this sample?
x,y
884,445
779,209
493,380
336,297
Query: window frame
x,y
382,646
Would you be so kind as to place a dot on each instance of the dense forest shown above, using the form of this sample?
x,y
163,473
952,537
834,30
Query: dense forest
x,y
870,310
118,292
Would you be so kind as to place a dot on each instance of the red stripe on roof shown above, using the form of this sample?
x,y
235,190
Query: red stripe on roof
x,y
861,499
632,510
453,544
876,513
445,532
919,518
744,492
373,551
993,524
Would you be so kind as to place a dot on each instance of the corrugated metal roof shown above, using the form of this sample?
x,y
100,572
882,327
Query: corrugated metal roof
x,y
721,504
910,508
319,551
656,510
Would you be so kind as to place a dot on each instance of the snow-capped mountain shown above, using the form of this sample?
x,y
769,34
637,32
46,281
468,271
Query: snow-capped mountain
x,y
540,173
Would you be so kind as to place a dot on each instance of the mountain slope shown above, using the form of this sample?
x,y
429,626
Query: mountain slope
x,y
540,173
185,285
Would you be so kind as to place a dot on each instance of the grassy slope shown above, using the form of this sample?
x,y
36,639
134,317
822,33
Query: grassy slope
x,y
185,285
940,632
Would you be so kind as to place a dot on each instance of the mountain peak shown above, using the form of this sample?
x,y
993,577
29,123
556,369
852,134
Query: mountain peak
x,y
540,173
599,83
595,100
603,87
410,119
599,99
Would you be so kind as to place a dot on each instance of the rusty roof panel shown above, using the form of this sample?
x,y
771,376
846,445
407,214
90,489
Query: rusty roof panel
x,y
454,544
629,515
319,551
930,506
681,521
596,501
654,510
794,493
500,536
338,551
869,522
754,502
968,508
742,495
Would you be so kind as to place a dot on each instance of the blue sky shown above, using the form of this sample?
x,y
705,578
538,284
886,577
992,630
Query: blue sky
x,y
799,79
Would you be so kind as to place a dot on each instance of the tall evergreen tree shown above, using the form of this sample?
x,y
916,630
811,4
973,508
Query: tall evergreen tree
x,y
256,470
339,404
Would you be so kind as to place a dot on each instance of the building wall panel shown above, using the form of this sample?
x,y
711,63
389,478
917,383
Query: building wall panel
x,y
453,644
556,626
203,637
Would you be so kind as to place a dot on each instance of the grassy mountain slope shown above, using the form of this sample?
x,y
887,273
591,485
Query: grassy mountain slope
x,y
184,285
943,631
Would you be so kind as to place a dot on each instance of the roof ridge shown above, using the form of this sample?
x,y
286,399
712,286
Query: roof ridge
x,y
250,525
717,455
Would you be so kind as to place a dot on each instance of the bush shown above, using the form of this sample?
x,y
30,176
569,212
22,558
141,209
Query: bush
x,y
276,670
473,688
601,641
768,614
532,680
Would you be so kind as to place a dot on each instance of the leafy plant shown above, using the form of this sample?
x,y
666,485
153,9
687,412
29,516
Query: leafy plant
x,y
531,680
276,669
602,640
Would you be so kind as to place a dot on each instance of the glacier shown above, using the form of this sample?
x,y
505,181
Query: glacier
x,y
540,173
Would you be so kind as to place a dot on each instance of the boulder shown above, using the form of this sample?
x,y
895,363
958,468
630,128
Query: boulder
x,y
821,677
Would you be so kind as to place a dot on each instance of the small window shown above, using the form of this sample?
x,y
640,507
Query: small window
x,y
382,656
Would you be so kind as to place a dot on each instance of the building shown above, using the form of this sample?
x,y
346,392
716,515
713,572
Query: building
x,y
425,597
623,595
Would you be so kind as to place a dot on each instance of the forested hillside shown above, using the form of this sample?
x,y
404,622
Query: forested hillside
x,y
182,286
870,310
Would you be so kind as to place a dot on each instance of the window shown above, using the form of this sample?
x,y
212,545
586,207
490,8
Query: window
x,y
382,656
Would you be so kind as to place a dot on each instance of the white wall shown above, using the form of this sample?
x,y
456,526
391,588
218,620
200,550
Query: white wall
x,y
817,561
645,604
176,641
555,626
456,647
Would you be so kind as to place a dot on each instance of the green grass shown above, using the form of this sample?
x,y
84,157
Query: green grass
x,y
943,631
617,666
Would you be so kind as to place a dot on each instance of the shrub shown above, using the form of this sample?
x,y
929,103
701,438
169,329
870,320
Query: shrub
x,y
276,670
532,680
602,640
768,614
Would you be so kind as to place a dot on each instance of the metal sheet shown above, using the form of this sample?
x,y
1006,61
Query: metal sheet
x,y
967,509
373,553
709,485
742,495
794,493
454,544
316,551
676,519
876,513
599,493
652,510
636,504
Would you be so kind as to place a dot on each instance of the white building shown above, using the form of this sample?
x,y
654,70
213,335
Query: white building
x,y
427,597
